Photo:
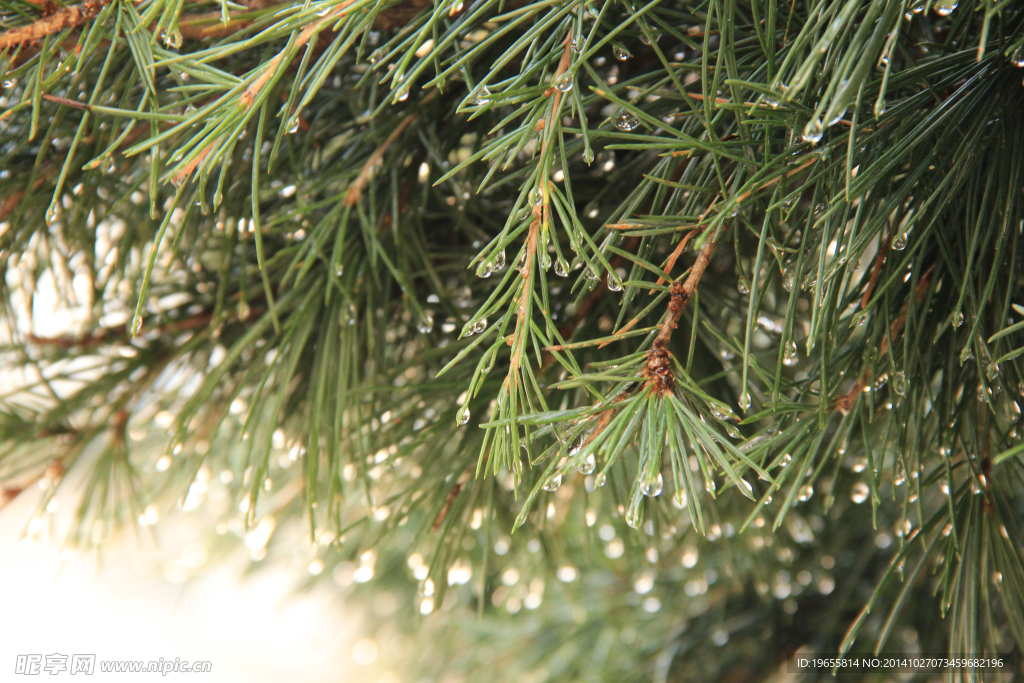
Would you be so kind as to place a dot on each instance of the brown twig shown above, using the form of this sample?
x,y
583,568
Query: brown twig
x,y
876,270
844,403
313,28
659,369
775,181
524,295
678,251
182,175
541,216
9,203
356,190
62,19
450,500
84,106
452,495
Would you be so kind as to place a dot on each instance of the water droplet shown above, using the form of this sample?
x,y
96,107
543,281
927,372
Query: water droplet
x,y
626,121
588,465
679,499
958,319
722,412
813,131
966,354
1017,58
484,270
899,383
614,284
709,486
553,483
479,326
172,39
789,357
786,459
564,82
10,82
879,107
944,7
900,243
521,261
789,277
859,319
377,55
601,480
655,35
462,417
481,96
992,371
576,46
543,259
743,285
426,323
837,118
535,197
499,261
403,94
653,487
561,268
634,515
744,401
588,156
806,492
620,52
918,7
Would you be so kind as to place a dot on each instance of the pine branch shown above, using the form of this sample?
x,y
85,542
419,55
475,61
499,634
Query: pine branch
x,y
367,168
659,370
65,18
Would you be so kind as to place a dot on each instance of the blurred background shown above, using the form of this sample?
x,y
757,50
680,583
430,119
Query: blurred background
x,y
138,601
148,592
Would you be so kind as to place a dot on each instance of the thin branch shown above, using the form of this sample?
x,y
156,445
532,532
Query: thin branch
x,y
659,369
62,19
844,403
182,175
524,295
541,213
876,270
354,192
250,94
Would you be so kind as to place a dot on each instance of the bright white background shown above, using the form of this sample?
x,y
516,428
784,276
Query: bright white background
x,y
253,629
